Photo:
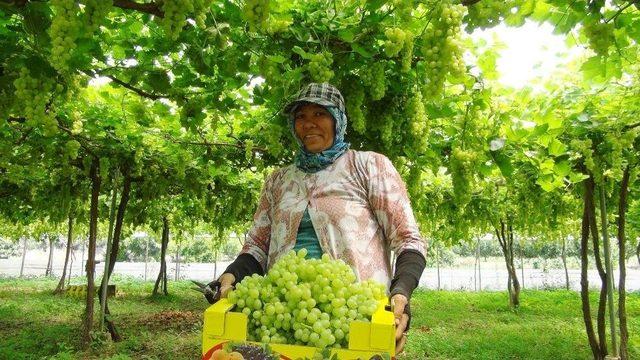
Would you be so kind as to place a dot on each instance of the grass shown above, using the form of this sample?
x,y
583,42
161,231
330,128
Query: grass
x,y
446,325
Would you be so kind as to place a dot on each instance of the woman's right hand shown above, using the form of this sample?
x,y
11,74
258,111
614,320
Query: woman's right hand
x,y
226,284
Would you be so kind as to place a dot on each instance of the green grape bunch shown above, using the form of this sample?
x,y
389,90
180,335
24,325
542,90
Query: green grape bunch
x,y
460,167
601,37
65,27
175,16
487,14
256,13
442,50
396,38
417,115
95,11
320,67
307,302
374,78
36,94
354,101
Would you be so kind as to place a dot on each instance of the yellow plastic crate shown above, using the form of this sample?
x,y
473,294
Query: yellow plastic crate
x,y
366,339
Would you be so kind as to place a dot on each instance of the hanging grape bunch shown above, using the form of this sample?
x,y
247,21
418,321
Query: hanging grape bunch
x,y
35,93
417,115
64,30
175,16
256,13
305,302
442,48
373,77
353,103
600,36
95,11
487,14
320,67
460,167
395,41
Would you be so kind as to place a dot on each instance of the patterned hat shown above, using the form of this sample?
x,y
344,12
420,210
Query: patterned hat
x,y
322,94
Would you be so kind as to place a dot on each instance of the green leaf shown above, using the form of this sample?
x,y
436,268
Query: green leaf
x,y
361,50
298,50
158,80
503,162
347,35
546,183
562,169
118,52
556,148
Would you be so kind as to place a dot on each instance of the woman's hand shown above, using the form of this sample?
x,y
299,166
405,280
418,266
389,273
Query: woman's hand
x,y
399,302
226,284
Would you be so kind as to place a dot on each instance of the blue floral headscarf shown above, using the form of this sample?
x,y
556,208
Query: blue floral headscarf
x,y
310,162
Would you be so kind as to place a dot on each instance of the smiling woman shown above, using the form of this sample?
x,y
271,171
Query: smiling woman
x,y
350,205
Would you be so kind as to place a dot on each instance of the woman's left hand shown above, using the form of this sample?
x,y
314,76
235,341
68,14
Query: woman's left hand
x,y
400,302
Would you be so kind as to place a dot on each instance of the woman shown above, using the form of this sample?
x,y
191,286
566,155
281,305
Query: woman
x,y
349,204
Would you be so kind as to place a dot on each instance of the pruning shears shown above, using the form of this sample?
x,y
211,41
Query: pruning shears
x,y
211,291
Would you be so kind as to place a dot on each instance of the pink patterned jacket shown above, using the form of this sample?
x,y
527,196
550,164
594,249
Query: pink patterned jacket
x,y
358,206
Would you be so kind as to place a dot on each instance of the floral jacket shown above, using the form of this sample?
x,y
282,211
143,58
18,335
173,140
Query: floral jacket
x,y
358,206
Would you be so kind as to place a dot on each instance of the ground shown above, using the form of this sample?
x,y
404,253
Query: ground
x,y
446,325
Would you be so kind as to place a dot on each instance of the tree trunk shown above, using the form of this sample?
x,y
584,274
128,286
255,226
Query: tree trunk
x,y
521,264
602,301
73,256
584,265
117,232
146,258
84,246
609,272
60,287
177,261
505,238
564,261
622,294
91,258
24,255
104,303
161,281
438,264
638,252
49,269
215,264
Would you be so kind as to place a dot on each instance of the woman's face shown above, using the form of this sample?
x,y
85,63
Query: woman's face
x,y
315,127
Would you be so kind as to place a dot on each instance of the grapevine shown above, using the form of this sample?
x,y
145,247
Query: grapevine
x,y
305,302
374,79
64,30
319,67
442,49
35,93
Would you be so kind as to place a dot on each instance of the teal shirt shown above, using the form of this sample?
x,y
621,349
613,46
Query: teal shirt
x,y
307,238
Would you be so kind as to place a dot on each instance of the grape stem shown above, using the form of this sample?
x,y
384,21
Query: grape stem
x,y
469,2
614,16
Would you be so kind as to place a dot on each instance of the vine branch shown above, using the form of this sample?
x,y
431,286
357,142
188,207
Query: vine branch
x,y
149,8
621,10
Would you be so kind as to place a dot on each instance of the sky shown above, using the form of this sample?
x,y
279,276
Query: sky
x,y
532,51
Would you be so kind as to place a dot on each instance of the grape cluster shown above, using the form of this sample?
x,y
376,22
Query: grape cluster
x,y
417,115
200,8
460,165
403,9
406,60
175,15
600,36
71,149
395,41
256,13
268,69
374,78
442,48
353,102
387,129
487,14
319,67
585,148
64,30
95,11
35,94
305,301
